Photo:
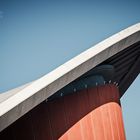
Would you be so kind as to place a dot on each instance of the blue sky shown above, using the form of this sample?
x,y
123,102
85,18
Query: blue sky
x,y
38,36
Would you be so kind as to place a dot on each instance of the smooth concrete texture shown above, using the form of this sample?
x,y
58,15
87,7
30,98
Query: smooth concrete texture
x,y
4,96
17,105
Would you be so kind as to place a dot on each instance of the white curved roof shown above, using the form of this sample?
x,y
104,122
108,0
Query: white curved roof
x,y
17,102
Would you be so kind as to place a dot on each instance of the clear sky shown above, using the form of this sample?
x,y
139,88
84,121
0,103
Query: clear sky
x,y
38,36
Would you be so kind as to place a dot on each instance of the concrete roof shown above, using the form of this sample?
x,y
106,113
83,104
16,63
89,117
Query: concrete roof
x,y
17,102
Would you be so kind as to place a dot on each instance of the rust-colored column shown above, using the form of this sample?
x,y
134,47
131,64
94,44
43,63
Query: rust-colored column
x,y
99,115
90,114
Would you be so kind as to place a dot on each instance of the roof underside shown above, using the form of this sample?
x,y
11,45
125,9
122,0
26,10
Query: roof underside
x,y
127,66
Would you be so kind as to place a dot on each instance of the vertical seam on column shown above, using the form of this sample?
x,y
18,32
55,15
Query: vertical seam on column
x,y
13,134
110,122
80,120
121,132
91,116
32,129
66,119
101,112
81,129
110,119
50,123
94,136
117,124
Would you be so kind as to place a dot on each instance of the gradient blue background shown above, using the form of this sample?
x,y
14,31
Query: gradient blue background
x,y
38,36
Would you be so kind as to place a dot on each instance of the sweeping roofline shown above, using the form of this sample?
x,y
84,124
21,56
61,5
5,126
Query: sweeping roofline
x,y
24,99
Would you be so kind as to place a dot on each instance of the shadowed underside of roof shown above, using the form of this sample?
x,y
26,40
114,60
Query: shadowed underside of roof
x,y
127,66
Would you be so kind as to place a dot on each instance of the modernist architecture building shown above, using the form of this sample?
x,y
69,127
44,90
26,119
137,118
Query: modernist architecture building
x,y
80,100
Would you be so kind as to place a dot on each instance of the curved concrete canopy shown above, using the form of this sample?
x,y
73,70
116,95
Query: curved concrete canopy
x,y
17,102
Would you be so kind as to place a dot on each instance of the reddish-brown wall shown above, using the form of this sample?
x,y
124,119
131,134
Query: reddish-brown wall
x,y
91,114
